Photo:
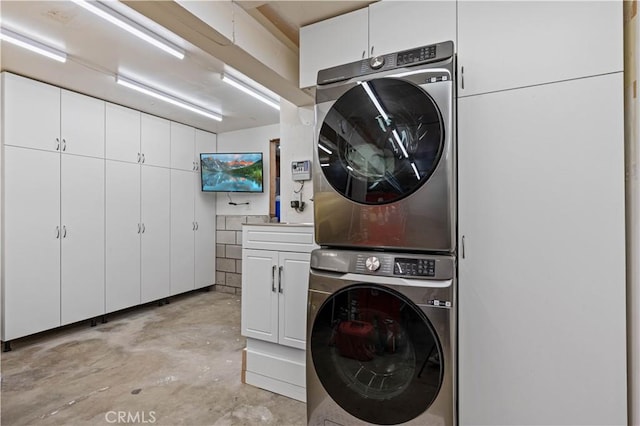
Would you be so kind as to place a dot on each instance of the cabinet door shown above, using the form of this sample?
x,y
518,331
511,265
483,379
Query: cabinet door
x,y
205,236
501,44
82,124
259,318
293,287
333,42
542,265
399,25
155,142
31,241
182,230
156,233
182,147
123,235
82,218
205,142
122,134
31,113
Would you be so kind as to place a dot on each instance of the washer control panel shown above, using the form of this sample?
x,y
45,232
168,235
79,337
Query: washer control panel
x,y
414,267
413,56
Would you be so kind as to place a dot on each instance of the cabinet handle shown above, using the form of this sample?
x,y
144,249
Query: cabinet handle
x,y
273,278
197,166
462,77
371,54
64,231
139,228
280,279
57,232
64,144
364,52
138,157
143,228
197,226
193,226
463,246
143,158
57,144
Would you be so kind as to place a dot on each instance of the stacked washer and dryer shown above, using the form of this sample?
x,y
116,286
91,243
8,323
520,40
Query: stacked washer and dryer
x,y
381,330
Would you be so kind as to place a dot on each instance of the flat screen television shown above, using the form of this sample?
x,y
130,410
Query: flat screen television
x,y
231,172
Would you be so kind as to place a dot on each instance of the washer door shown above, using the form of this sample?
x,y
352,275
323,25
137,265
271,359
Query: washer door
x,y
376,354
380,141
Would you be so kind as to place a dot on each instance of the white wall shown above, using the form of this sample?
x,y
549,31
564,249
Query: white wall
x,y
247,140
296,144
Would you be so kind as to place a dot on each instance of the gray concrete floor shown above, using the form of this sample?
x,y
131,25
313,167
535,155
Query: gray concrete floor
x,y
177,364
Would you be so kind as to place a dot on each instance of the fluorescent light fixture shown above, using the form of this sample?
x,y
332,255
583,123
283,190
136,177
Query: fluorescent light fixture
x,y
250,91
167,98
110,15
32,45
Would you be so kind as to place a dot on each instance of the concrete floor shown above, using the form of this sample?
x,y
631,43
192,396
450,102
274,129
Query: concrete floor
x,y
177,364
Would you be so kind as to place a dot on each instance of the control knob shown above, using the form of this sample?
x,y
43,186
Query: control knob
x,y
372,263
376,62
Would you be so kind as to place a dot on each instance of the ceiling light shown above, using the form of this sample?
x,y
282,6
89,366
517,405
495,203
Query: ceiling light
x,y
108,14
32,45
167,98
250,91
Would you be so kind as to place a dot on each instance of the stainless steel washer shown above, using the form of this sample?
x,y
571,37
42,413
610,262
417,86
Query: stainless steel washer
x,y
381,339
385,147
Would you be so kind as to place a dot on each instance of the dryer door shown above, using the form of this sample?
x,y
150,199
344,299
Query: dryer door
x,y
376,354
380,141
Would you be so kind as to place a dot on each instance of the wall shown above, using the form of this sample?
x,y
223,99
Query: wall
x,y
296,144
632,154
247,140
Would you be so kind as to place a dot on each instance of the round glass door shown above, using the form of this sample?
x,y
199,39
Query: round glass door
x,y
376,354
381,141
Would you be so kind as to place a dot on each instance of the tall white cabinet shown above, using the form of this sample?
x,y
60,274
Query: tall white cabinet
x,y
54,207
542,327
87,208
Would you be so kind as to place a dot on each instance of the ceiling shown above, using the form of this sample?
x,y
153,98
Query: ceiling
x,y
98,50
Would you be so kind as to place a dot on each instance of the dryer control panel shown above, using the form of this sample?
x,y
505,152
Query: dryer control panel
x,y
414,267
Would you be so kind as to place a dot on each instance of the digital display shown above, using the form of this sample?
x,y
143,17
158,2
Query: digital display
x,y
409,57
414,267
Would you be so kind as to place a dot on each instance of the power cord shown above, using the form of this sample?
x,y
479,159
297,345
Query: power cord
x,y
232,203
298,205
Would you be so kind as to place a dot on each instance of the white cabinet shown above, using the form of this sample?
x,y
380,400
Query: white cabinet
x,y
40,116
399,25
182,231
138,234
501,44
274,296
183,147
155,141
155,234
205,219
542,254
31,114
83,238
31,298
123,235
332,42
122,134
384,27
275,276
82,125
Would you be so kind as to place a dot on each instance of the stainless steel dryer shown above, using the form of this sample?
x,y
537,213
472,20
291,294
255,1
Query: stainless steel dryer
x,y
385,147
380,339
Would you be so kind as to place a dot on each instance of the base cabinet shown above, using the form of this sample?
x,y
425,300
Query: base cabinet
x,y
275,278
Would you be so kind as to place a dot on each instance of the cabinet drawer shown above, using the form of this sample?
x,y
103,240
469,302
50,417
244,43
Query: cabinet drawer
x,y
278,237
